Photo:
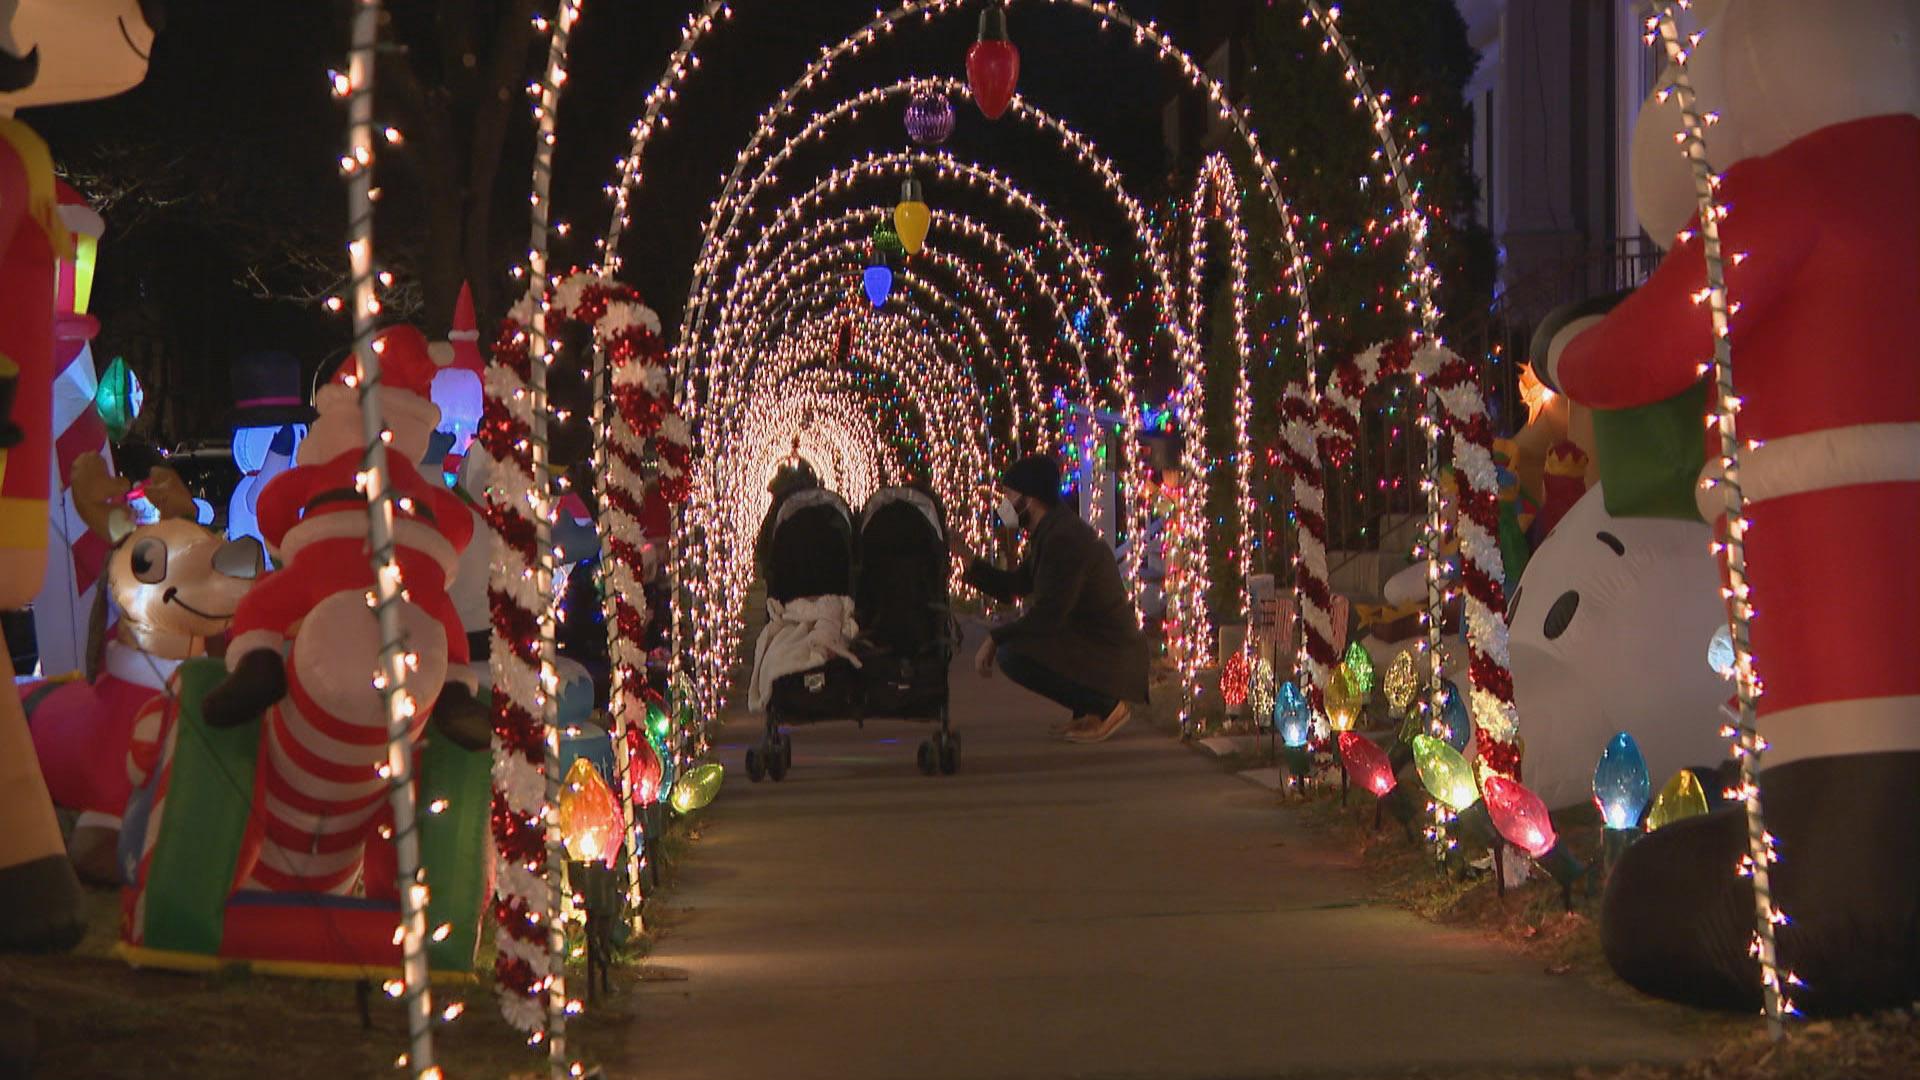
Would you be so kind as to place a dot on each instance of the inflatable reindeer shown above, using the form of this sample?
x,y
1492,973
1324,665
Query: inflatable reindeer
x,y
51,51
175,584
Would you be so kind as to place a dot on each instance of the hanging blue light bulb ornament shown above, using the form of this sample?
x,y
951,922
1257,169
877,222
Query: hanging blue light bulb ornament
x,y
879,284
1453,711
1621,783
1083,322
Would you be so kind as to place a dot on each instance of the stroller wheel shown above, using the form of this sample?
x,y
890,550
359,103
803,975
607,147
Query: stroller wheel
x,y
929,758
949,754
756,764
779,758
784,749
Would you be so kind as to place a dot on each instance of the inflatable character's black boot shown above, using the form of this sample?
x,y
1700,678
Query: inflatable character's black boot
x,y
255,684
1677,920
463,717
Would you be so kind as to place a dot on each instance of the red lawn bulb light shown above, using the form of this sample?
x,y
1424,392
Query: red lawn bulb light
x,y
1235,678
1367,763
993,65
1522,819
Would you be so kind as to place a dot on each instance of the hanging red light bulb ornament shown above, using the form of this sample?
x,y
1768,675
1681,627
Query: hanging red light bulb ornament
x,y
993,65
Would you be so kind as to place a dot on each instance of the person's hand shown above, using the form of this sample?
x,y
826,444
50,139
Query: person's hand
x,y
983,660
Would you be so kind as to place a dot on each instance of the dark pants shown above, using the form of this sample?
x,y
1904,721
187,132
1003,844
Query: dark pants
x,y
1027,672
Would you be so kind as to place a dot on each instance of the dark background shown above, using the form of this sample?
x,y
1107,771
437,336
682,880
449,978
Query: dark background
x,y
225,213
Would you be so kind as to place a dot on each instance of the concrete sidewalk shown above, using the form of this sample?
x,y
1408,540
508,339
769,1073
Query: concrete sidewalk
x,y
1125,910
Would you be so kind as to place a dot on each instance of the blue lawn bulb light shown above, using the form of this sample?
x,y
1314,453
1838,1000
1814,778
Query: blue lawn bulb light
x,y
1453,711
1292,715
879,283
1621,784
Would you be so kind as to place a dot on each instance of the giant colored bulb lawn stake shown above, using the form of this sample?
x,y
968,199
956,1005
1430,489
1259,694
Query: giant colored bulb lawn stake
x,y
1402,683
1520,816
1454,714
1681,798
694,790
1358,666
993,65
1293,718
1620,783
1367,763
1234,677
1447,776
118,399
1522,819
590,820
911,217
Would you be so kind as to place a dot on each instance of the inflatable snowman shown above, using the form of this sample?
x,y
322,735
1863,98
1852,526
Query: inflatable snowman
x,y
1818,143
1609,632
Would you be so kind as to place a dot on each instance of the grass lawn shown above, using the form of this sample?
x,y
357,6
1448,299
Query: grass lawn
x,y
1534,921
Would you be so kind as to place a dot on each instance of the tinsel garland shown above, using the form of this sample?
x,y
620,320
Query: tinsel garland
x,y
1463,416
1300,457
649,441
521,896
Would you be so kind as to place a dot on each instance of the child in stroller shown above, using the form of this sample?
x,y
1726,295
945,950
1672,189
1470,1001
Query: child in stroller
x,y
805,668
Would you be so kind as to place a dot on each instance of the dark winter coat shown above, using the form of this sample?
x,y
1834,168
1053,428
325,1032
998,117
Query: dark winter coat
x,y
1077,620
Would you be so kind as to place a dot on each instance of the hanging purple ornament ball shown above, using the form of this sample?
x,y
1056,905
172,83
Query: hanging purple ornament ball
x,y
929,118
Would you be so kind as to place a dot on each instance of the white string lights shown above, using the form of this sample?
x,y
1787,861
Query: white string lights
x,y
1748,744
395,660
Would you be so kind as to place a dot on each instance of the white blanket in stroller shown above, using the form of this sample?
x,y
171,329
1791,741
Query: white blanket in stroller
x,y
800,636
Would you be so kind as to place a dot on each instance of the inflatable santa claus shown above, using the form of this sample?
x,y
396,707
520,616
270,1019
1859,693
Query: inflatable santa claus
x,y
1819,144
304,642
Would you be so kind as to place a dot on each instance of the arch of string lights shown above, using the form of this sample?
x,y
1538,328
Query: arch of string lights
x,y
822,253
1294,259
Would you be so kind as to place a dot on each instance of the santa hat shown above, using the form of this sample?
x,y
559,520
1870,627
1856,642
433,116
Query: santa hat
x,y
404,361
461,350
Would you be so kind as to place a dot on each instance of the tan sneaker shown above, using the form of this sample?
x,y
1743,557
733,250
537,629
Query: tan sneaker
x,y
1103,730
1066,728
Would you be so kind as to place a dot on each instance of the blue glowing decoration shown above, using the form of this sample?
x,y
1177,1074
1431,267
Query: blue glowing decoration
x,y
1720,652
1292,715
1621,784
1453,712
879,283
1083,322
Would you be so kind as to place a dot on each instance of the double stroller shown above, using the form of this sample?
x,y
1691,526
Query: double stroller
x,y
892,565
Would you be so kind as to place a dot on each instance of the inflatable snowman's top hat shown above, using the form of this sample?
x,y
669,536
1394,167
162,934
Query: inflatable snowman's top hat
x,y
267,391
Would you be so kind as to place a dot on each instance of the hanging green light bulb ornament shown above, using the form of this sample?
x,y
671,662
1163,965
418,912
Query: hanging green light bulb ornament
x,y
888,247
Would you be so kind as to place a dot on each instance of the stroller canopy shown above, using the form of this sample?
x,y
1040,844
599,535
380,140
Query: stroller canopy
x,y
810,552
901,601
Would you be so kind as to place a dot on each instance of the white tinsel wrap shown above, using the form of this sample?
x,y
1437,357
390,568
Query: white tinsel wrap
x,y
674,429
1461,404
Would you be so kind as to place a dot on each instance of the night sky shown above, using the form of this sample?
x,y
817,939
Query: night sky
x,y
236,130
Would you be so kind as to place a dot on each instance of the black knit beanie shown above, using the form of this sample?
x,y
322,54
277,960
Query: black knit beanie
x,y
1036,476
